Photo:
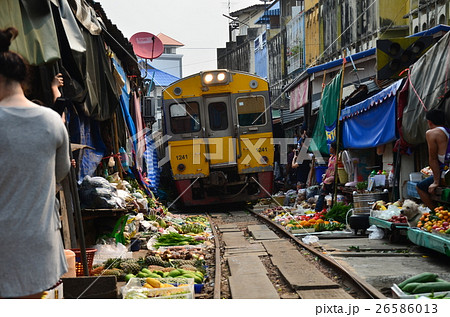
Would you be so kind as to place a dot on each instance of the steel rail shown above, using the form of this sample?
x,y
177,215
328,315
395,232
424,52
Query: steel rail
x,y
218,268
359,283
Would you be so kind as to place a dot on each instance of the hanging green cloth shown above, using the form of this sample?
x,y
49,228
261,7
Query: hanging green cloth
x,y
37,41
325,128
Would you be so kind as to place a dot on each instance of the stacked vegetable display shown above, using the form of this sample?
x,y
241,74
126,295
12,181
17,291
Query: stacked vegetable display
x,y
436,221
332,220
177,250
424,283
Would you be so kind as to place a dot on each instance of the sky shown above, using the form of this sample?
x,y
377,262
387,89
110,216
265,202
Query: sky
x,y
198,24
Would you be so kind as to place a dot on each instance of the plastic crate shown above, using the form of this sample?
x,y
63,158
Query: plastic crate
x,y
398,293
415,177
411,190
135,285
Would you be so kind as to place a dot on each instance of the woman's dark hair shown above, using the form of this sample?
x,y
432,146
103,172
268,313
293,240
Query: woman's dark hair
x,y
12,65
436,116
334,145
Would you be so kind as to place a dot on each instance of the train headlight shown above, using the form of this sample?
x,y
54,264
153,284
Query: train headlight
x,y
217,77
181,167
221,76
208,78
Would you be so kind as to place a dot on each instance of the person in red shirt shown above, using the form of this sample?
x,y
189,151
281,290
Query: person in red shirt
x,y
328,179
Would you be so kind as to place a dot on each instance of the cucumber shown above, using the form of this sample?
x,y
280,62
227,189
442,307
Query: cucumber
x,y
409,288
431,287
419,278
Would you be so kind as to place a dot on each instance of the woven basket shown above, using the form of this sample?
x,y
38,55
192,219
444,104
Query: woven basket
x,y
90,252
343,176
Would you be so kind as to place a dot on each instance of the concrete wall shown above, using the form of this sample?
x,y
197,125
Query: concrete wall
x,y
312,37
169,63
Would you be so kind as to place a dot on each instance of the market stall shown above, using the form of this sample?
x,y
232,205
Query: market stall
x,y
174,249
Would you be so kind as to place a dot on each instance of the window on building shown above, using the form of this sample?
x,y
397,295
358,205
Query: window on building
x,y
169,50
251,110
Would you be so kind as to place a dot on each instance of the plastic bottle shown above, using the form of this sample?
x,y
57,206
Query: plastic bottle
x,y
70,258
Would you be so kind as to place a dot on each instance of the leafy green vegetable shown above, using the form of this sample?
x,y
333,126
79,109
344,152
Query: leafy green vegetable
x,y
174,238
338,212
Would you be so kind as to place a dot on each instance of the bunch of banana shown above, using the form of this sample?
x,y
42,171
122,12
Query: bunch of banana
x,y
379,205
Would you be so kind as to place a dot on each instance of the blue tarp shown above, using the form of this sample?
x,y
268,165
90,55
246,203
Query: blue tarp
x,y
371,122
151,159
86,131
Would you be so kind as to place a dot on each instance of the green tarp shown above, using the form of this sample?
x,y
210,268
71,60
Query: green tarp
x,y
429,88
37,41
325,128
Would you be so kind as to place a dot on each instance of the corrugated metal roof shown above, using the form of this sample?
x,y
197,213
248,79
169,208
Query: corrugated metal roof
x,y
288,116
159,77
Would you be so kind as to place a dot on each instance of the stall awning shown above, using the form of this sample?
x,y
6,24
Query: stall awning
x,y
371,122
273,10
299,96
338,62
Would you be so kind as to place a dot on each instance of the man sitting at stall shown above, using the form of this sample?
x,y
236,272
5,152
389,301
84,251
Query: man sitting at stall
x,y
438,140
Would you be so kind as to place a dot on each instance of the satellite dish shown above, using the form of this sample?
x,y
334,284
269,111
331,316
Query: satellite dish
x,y
147,45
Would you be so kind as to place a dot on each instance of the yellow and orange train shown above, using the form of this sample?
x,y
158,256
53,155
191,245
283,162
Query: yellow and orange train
x,y
219,129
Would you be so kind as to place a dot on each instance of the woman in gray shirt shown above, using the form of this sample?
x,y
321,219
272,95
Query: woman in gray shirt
x,y
34,155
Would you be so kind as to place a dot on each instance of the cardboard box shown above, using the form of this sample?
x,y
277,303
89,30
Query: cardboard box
x,y
95,287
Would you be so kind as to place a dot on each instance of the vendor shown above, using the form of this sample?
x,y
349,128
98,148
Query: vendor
x,y
301,165
328,179
438,140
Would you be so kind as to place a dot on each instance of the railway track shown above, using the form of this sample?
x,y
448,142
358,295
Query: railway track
x,y
256,258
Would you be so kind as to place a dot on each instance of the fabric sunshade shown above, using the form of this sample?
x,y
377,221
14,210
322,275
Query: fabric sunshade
x,y
325,128
371,122
299,96
429,88
37,41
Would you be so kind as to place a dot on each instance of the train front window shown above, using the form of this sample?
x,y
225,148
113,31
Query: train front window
x,y
218,117
251,111
185,117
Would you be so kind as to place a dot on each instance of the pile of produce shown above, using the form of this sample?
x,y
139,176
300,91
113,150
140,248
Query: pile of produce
x,y
189,271
315,220
119,267
424,283
338,212
143,288
436,221
273,212
152,266
398,219
174,238
183,253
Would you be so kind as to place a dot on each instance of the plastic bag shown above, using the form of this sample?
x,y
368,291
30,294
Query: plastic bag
x,y
375,233
110,250
310,239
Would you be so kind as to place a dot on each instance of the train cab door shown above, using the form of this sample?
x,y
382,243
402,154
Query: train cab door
x,y
219,130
